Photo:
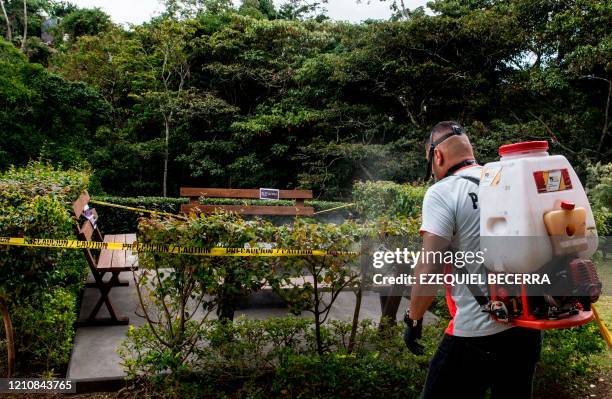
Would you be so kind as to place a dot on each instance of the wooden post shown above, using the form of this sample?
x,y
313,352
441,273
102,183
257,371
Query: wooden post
x,y
10,341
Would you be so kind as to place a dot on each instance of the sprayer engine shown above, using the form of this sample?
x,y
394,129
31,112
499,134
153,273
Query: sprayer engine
x,y
574,287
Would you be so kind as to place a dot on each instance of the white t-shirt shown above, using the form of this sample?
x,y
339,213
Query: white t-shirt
x,y
451,211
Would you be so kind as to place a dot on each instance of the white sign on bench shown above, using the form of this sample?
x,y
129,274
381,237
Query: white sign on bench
x,y
269,194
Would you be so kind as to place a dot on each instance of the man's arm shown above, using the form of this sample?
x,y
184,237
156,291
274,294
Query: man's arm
x,y
422,295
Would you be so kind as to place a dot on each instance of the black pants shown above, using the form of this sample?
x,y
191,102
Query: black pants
x,y
467,367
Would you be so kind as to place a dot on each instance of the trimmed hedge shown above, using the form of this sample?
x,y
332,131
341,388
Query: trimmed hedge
x,y
40,285
316,204
375,199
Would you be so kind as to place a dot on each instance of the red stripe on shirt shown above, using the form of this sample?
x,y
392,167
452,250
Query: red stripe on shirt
x,y
452,307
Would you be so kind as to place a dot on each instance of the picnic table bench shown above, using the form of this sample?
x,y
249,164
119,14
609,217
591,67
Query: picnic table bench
x,y
298,209
104,263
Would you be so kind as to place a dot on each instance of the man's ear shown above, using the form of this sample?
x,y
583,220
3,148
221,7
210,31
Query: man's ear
x,y
438,157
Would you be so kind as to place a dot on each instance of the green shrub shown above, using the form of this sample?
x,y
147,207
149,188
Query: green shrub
x,y
316,204
44,330
336,273
567,355
599,185
40,285
388,199
380,365
599,189
239,275
294,357
276,357
333,375
172,289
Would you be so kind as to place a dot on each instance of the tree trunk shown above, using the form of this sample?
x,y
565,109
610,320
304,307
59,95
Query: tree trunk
x,y
10,341
403,10
9,32
318,333
227,299
355,324
317,316
166,155
25,25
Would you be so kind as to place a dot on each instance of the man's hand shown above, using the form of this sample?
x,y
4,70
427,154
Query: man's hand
x,y
413,332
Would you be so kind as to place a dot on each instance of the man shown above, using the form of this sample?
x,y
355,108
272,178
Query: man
x,y
477,353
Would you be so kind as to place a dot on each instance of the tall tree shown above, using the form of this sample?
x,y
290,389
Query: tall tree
x,y
44,114
303,9
258,8
85,21
190,8
24,16
25,25
170,67
300,102
9,32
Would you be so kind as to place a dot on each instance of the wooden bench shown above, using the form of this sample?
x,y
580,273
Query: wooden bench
x,y
104,263
298,209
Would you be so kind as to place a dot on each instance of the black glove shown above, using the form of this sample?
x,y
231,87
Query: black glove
x,y
413,332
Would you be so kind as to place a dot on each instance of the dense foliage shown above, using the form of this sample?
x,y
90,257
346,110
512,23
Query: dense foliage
x,y
277,357
599,189
387,199
42,114
182,352
567,355
212,95
40,285
256,358
179,292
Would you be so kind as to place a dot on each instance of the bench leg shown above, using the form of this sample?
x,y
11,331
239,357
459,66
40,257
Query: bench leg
x,y
114,280
104,288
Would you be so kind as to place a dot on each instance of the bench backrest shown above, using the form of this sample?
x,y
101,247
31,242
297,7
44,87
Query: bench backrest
x,y
298,209
88,230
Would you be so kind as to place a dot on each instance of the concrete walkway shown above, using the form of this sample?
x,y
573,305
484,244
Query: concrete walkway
x,y
95,355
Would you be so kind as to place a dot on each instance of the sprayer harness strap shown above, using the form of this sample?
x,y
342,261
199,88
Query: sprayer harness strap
x,y
470,178
462,164
481,297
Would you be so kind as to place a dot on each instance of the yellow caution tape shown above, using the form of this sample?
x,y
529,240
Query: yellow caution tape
x,y
168,249
140,210
605,333
334,209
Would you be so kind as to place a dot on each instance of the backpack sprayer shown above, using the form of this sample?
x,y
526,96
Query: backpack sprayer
x,y
536,219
